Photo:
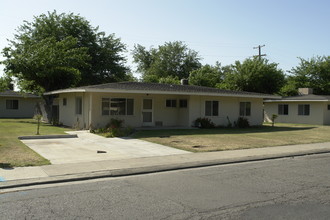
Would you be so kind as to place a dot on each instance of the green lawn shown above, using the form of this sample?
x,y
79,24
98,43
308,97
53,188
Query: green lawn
x,y
200,140
12,151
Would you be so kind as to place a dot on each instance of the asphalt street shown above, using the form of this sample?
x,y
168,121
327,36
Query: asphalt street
x,y
291,188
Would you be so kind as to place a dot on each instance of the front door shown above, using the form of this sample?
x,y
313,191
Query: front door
x,y
147,113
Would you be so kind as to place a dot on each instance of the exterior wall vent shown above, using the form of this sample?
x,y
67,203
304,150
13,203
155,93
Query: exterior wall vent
x,y
159,123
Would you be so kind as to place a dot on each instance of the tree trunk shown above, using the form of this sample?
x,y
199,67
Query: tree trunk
x,y
47,108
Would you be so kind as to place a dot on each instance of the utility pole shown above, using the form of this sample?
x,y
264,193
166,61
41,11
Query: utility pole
x,y
259,47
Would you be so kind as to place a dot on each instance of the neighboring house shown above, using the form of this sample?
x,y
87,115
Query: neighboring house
x,y
17,105
153,104
305,108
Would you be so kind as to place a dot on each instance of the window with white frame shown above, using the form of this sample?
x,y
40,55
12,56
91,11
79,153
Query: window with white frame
x,y
11,104
64,101
117,106
303,109
283,109
105,106
211,108
171,103
183,103
245,108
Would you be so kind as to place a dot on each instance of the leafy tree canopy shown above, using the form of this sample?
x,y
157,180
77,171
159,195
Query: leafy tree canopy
x,y
290,87
169,80
207,75
312,73
62,50
173,59
48,64
5,83
254,75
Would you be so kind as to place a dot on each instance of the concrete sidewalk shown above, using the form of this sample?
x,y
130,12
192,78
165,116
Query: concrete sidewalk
x,y
26,176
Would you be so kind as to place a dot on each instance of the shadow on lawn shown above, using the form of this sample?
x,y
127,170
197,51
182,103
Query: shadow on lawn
x,y
28,121
18,120
163,133
6,166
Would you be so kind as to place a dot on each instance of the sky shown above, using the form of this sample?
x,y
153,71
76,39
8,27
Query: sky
x,y
219,30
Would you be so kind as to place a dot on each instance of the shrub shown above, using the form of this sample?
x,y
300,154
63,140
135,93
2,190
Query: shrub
x,y
242,122
114,129
204,123
274,116
115,123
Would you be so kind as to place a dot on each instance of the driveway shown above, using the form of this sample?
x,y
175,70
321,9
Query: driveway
x,y
85,148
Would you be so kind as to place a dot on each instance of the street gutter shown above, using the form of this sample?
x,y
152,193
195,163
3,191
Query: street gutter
x,y
150,169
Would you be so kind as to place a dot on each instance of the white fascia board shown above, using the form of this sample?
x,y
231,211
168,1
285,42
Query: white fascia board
x,y
177,93
297,100
12,96
64,91
157,92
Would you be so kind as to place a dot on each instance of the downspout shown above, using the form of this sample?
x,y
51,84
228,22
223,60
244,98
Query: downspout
x,y
90,126
83,113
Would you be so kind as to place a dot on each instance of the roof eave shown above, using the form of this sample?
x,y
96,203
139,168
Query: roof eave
x,y
158,92
12,96
296,100
64,91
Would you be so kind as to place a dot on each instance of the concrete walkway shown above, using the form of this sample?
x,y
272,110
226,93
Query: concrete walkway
x,y
25,176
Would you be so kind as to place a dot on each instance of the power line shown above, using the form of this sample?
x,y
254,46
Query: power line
x,y
259,48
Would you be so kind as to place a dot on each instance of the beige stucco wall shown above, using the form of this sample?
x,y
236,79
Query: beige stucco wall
x,y
167,116
170,116
228,107
316,115
98,120
326,112
26,107
67,114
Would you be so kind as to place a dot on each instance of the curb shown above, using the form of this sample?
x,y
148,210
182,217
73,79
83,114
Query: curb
x,y
149,169
47,136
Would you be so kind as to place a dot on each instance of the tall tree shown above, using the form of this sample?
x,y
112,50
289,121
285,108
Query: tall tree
x,y
47,64
254,75
97,58
172,59
312,73
207,75
57,51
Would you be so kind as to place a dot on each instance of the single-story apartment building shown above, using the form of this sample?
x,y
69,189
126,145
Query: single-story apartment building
x,y
305,108
14,104
142,104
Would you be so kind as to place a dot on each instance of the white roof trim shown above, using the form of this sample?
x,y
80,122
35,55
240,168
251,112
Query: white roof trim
x,y
76,90
25,97
296,100
64,91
